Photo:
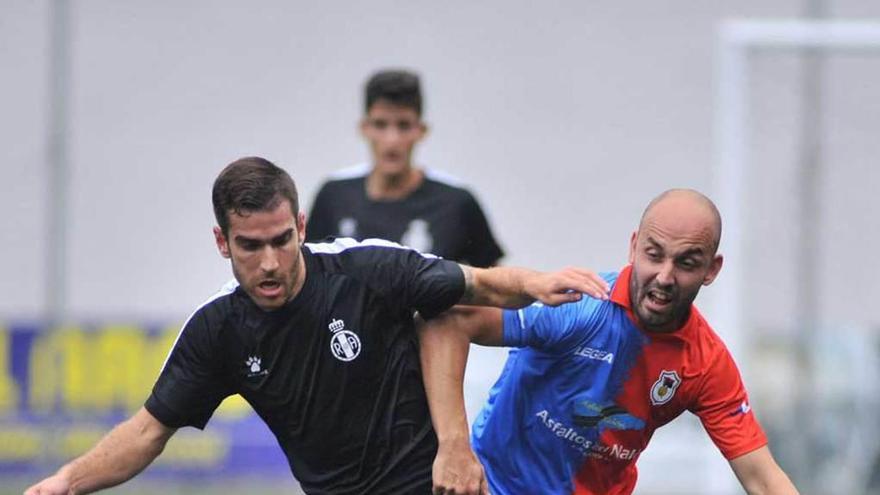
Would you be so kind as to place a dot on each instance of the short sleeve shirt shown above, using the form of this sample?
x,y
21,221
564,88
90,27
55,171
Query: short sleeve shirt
x,y
334,373
438,218
578,401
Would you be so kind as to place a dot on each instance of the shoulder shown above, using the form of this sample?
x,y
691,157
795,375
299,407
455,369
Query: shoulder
x,y
556,328
443,179
610,277
585,308
346,245
705,344
345,252
220,304
705,334
210,317
403,276
439,183
349,178
358,171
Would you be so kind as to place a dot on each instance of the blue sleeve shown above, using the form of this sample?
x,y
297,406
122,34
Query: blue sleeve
x,y
551,329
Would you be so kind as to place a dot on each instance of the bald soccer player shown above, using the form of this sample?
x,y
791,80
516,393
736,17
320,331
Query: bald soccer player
x,y
588,383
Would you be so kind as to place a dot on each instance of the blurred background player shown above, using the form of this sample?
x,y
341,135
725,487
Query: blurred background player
x,y
392,198
578,403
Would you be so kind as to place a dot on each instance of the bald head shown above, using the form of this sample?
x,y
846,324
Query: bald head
x,y
684,210
673,255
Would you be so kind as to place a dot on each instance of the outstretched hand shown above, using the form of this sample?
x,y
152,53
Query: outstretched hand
x,y
53,485
457,471
566,285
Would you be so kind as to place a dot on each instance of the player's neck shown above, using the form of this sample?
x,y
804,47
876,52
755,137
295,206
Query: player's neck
x,y
301,275
390,187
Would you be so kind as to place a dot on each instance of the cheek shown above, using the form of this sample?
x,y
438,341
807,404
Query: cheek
x,y
376,140
288,258
691,285
411,142
640,278
244,262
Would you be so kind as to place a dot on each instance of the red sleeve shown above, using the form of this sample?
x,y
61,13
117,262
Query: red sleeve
x,y
723,407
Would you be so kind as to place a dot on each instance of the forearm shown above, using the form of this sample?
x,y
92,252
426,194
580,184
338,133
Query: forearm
x,y
444,350
759,474
501,287
444,346
776,483
511,287
120,455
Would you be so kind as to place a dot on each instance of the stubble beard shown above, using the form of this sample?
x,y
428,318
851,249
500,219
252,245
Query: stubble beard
x,y
250,288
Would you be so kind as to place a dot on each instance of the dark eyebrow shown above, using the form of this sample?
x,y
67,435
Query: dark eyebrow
x,y
242,239
279,237
654,243
282,236
694,251
691,252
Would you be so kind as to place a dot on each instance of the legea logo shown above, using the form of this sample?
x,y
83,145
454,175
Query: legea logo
x,y
597,354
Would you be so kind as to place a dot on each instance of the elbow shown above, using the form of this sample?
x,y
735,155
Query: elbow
x,y
774,482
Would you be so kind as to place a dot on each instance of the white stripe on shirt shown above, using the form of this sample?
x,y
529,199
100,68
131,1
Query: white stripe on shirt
x,y
228,288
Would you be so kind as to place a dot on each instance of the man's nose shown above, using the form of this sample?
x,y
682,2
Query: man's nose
x,y
666,275
269,260
393,134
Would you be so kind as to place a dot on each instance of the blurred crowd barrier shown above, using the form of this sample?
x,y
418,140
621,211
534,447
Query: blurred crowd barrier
x,y
820,403
62,388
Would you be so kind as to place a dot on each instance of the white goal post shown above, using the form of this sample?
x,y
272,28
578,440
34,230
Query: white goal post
x,y
737,41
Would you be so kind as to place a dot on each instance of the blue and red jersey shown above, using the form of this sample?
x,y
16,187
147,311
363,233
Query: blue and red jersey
x,y
581,396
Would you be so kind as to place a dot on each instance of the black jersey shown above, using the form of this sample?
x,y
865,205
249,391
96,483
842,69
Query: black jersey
x,y
436,218
335,372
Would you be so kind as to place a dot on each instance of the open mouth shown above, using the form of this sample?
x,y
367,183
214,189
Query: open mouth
x,y
269,288
658,300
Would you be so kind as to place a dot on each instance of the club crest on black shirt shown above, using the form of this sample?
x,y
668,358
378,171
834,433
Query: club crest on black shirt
x,y
345,344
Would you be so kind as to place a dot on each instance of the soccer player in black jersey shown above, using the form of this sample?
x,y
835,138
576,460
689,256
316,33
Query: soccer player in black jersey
x,y
320,340
392,197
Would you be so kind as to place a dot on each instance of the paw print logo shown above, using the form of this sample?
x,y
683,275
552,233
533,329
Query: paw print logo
x,y
254,363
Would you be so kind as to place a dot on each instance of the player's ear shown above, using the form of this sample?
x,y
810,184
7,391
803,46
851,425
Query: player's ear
x,y
301,227
632,246
714,268
222,243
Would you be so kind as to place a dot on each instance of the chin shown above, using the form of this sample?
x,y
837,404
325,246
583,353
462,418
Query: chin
x,y
652,321
272,306
392,168
263,303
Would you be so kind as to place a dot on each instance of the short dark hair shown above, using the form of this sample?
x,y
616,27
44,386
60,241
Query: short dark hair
x,y
398,87
249,185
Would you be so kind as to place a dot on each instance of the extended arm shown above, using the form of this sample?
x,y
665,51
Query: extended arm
x,y
121,454
444,345
759,474
510,287
444,348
